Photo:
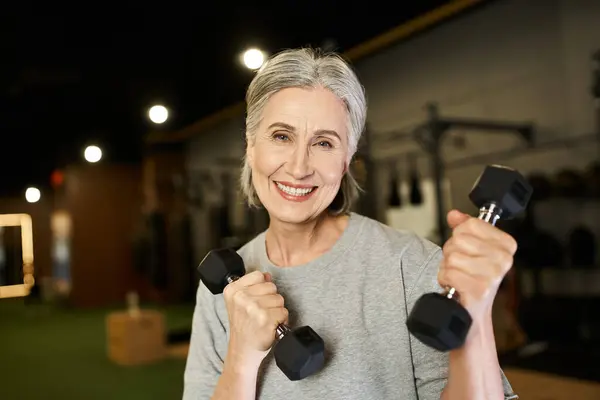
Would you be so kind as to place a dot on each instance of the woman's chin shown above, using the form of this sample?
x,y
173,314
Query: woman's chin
x,y
294,213
293,216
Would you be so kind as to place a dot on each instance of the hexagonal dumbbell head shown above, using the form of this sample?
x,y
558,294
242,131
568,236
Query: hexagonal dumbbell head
x,y
217,265
439,322
505,187
300,353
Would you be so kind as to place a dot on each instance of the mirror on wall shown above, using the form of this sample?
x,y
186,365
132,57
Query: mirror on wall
x,y
16,255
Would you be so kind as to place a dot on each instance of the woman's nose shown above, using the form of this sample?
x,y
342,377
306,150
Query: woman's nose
x,y
299,167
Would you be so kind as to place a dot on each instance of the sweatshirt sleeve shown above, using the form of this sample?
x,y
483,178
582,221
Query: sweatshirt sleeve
x,y
431,366
208,346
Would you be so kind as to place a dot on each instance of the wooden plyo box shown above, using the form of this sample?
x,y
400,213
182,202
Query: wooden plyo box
x,y
136,338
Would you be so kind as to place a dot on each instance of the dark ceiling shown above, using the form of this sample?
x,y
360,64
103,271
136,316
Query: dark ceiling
x,y
87,71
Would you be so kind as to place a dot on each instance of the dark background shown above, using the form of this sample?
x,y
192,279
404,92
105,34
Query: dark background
x,y
73,74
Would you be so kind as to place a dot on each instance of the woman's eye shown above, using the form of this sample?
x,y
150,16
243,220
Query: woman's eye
x,y
280,136
324,143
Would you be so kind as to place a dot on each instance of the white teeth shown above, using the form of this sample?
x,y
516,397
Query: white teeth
x,y
294,191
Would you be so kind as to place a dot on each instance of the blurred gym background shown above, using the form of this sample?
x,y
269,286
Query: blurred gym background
x,y
122,138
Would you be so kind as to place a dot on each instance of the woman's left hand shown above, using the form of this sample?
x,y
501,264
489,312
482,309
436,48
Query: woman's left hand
x,y
476,258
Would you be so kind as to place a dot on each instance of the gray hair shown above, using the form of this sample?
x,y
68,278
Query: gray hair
x,y
304,68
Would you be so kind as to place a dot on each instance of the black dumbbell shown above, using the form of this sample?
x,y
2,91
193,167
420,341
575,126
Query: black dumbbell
x,y
438,320
299,353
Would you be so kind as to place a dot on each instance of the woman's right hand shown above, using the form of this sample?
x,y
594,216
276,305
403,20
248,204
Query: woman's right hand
x,y
255,310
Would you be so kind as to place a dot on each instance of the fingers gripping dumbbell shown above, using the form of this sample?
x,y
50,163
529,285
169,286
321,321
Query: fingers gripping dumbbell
x,y
298,353
438,320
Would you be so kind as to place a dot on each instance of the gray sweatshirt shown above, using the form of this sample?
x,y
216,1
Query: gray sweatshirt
x,y
356,297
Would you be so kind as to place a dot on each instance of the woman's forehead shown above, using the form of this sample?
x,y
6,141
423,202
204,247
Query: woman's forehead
x,y
306,109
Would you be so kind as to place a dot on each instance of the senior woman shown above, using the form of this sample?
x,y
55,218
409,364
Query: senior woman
x,y
351,278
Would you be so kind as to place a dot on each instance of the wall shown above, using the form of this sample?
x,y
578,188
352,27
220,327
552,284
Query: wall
x,y
218,151
512,60
104,203
164,194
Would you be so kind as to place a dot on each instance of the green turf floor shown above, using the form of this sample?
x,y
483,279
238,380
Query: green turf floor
x,y
48,353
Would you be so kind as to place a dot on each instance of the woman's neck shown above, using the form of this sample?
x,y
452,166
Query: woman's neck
x,y
295,244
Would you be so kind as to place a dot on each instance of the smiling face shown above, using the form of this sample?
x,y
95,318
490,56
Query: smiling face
x,y
299,154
